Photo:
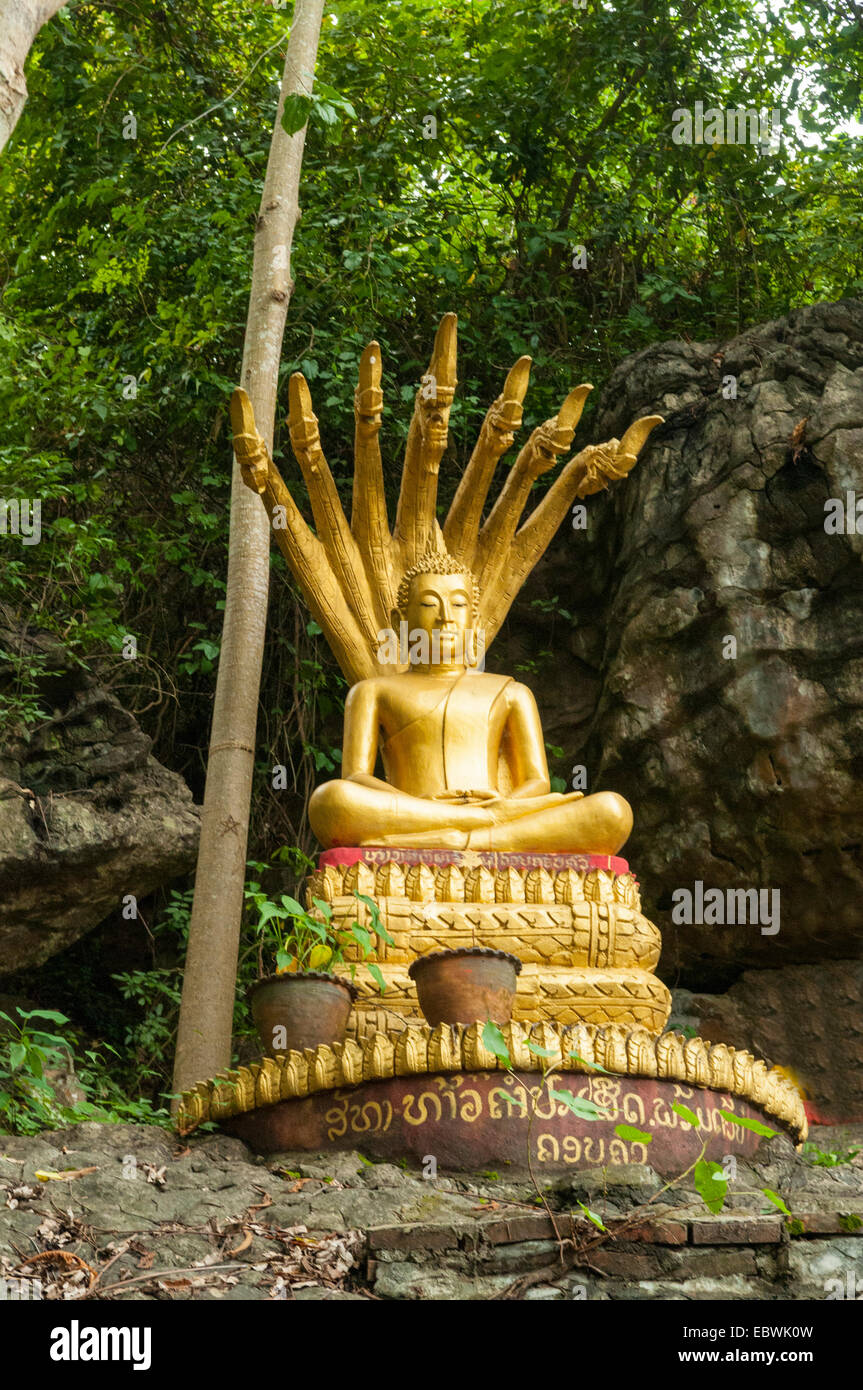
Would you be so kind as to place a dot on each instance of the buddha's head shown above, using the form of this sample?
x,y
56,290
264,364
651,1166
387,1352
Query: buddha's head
x,y
439,598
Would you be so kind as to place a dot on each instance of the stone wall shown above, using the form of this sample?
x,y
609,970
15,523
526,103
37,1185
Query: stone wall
x,y
150,1218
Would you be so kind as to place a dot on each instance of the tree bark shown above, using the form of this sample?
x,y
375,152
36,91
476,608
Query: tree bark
x,y
20,22
209,982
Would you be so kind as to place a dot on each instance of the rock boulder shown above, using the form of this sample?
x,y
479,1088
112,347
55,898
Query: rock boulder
x,y
87,815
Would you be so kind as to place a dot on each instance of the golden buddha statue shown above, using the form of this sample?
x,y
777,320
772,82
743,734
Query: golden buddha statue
x,y
462,750
442,729
461,843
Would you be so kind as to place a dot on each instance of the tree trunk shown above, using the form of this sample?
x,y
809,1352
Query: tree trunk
x,y
209,982
20,22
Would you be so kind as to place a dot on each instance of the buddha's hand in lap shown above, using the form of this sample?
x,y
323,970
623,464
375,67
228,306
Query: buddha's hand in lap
x,y
468,798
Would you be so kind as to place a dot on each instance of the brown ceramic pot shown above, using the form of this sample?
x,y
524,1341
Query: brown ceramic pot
x,y
311,1007
466,986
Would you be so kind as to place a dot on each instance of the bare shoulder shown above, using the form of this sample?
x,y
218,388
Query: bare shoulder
x,y
521,696
363,696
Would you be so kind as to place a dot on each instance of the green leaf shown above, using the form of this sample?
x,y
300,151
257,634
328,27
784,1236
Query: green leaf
x,y
592,1066
296,112
592,1216
324,908
776,1200
375,913
755,1125
635,1136
40,1084
494,1041
541,1051
17,1053
283,960
686,1114
711,1184
375,972
579,1105
46,1013
361,936
292,907
381,932
35,1063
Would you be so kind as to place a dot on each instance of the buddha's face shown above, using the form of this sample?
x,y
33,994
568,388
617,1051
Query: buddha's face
x,y
442,604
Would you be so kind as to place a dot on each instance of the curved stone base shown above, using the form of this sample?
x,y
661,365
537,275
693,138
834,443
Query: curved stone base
x,y
480,1120
583,1056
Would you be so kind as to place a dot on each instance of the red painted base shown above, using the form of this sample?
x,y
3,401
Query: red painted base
x,y
489,859
478,1120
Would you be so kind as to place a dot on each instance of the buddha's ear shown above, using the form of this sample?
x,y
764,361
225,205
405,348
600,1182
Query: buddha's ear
x,y
395,620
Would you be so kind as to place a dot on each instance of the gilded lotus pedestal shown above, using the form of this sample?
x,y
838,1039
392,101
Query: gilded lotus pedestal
x,y
574,920
587,999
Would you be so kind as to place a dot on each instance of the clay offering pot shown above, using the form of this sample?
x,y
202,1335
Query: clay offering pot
x,y
293,1012
466,986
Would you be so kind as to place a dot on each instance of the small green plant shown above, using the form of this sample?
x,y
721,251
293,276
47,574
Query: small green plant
x,y
26,1095
552,606
302,940
828,1158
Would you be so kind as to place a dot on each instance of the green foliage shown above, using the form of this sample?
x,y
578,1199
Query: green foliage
x,y
302,940
127,265
592,1066
580,1106
592,1216
827,1158
32,1065
148,1040
494,1041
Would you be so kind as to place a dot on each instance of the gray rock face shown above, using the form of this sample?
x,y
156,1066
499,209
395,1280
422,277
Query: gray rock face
x,y
742,758
87,816
806,1017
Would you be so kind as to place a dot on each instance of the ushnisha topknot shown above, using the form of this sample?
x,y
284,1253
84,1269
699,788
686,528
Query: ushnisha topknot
x,y
435,562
